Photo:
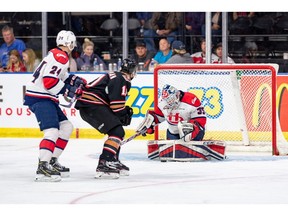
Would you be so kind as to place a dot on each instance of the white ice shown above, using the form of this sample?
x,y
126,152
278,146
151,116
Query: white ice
x,y
244,178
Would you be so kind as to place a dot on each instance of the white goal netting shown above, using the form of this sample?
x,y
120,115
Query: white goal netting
x,y
239,101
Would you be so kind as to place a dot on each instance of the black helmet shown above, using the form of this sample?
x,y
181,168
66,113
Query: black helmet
x,y
128,66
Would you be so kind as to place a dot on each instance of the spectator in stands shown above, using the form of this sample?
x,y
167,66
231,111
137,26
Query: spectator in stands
x,y
250,52
236,15
200,57
86,59
216,27
218,52
194,22
164,52
164,24
241,22
15,63
179,54
144,19
30,59
142,55
11,43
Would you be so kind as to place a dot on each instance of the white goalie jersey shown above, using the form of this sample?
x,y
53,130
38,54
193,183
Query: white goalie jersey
x,y
190,109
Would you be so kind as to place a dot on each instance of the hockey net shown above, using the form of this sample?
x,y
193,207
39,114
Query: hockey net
x,y
239,101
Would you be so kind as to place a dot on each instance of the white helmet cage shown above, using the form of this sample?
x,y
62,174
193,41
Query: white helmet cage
x,y
66,38
171,95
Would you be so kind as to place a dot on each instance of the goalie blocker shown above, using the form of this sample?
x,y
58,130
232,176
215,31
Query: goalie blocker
x,y
179,150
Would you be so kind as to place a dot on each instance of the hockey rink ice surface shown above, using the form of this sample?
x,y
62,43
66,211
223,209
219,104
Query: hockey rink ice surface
x,y
244,178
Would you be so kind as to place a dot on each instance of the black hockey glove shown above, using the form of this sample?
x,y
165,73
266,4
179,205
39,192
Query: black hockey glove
x,y
76,81
127,117
73,91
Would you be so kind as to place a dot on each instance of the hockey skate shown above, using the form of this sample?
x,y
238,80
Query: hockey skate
x,y
107,170
46,173
124,170
64,171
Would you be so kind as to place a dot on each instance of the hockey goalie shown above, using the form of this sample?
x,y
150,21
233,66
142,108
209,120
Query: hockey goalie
x,y
186,120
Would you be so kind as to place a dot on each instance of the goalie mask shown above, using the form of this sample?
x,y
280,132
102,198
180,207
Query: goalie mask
x,y
171,95
66,38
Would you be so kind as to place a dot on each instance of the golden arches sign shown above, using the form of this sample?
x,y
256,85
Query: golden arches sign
x,y
258,100
279,95
258,103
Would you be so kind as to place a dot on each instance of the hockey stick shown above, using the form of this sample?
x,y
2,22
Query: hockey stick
x,y
70,101
134,136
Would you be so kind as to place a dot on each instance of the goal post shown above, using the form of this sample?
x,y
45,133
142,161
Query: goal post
x,y
239,101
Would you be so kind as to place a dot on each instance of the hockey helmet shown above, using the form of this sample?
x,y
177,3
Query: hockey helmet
x,y
128,66
171,95
66,38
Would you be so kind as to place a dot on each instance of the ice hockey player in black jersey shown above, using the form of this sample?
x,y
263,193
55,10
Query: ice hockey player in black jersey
x,y
102,105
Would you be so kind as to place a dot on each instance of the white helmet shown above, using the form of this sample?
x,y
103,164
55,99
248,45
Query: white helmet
x,y
66,38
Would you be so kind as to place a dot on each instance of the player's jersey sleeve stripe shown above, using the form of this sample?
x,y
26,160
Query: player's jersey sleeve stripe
x,y
200,120
50,82
117,106
92,97
53,84
95,82
117,102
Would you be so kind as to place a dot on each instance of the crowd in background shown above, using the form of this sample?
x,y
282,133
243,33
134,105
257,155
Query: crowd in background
x,y
157,39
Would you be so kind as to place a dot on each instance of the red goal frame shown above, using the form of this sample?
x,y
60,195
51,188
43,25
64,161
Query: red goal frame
x,y
226,67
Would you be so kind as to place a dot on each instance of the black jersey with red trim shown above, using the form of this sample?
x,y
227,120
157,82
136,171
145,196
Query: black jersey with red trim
x,y
109,89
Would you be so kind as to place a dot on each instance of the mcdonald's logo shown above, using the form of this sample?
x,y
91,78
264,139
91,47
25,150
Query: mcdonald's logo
x,y
279,94
258,102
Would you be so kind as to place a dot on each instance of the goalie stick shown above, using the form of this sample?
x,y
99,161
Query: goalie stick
x,y
134,136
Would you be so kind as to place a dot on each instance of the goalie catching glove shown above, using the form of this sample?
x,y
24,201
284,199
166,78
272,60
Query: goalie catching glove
x,y
147,124
188,130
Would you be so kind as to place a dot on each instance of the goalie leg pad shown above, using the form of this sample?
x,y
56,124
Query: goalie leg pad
x,y
153,150
178,150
